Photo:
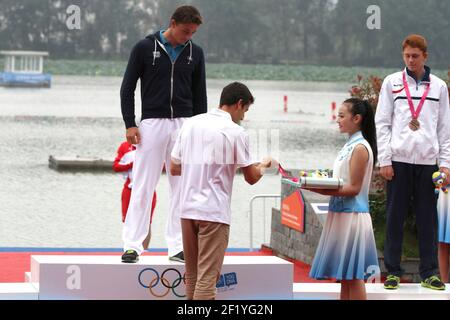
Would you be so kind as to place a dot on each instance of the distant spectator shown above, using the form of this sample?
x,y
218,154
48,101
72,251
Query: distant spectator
x,y
124,163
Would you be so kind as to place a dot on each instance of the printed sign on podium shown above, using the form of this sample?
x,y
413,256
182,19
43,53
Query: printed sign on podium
x,y
293,211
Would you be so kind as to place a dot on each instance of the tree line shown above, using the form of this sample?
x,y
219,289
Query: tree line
x,y
317,32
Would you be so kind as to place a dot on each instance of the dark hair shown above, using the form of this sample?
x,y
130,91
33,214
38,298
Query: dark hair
x,y
363,108
234,92
415,41
187,14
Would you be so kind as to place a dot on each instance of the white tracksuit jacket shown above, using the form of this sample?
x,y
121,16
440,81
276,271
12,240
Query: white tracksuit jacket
x,y
430,144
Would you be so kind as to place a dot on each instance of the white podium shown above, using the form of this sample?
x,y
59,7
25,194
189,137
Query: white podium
x,y
155,277
375,291
18,291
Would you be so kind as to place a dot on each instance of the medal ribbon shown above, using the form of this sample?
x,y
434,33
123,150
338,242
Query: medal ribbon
x,y
415,113
285,175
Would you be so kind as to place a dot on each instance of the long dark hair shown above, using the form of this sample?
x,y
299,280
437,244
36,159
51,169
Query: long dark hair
x,y
363,108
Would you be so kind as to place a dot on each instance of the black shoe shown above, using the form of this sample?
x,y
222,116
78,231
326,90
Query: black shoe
x,y
130,256
391,282
178,257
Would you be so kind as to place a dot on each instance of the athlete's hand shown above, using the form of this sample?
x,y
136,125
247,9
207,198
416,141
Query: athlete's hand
x,y
133,135
387,172
447,173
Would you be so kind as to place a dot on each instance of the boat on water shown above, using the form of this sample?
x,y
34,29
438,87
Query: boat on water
x,y
80,163
24,69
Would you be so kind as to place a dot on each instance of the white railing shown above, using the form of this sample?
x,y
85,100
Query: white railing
x,y
24,61
275,197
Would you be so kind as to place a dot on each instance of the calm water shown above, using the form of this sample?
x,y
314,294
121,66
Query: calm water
x,y
81,116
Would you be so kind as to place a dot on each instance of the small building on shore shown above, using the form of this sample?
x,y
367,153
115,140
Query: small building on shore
x,y
24,69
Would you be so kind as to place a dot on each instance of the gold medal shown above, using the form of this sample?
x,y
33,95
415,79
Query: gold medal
x,y
414,125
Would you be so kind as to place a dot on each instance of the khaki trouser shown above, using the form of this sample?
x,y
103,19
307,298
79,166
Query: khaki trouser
x,y
204,245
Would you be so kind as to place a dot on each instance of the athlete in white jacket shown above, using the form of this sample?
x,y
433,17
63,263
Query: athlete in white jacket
x,y
413,135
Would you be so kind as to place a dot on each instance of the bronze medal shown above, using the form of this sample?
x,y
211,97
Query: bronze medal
x,y
414,125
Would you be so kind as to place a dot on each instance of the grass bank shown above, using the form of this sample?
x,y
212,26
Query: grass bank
x,y
229,71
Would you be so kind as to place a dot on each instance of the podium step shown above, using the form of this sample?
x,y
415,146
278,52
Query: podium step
x,y
301,291
18,291
28,280
375,291
155,277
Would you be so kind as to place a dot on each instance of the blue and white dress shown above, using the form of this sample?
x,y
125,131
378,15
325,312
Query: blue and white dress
x,y
347,249
443,209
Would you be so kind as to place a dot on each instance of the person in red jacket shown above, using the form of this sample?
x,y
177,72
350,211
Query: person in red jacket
x,y
124,163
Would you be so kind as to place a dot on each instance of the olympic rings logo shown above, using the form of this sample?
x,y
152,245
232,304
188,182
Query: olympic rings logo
x,y
150,285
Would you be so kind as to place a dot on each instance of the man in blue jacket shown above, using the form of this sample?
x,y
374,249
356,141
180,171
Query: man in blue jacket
x,y
171,69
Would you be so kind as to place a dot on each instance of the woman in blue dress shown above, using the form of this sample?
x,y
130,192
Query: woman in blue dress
x,y
444,234
347,250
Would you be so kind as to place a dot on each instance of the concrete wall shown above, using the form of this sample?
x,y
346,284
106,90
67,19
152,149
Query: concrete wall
x,y
291,243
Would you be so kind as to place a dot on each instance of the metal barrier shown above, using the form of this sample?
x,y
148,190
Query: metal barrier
x,y
264,197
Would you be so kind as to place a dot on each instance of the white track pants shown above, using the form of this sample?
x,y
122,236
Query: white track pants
x,y
157,140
